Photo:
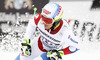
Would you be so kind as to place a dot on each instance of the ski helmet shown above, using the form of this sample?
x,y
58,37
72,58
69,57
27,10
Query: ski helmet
x,y
52,13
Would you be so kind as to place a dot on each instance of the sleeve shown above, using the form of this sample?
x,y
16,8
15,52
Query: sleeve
x,y
71,42
30,29
33,22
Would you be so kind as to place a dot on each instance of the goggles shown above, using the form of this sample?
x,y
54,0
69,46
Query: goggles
x,y
50,20
47,20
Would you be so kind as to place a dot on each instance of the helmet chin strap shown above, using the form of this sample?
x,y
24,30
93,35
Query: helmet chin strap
x,y
55,25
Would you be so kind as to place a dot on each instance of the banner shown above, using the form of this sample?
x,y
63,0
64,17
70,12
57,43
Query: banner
x,y
21,6
14,16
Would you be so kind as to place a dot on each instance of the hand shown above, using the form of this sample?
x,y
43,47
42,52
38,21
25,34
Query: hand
x,y
26,48
55,54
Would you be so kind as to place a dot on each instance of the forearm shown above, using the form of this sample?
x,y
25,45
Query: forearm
x,y
30,30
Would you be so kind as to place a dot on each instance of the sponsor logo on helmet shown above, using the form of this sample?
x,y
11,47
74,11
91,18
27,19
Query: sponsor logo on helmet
x,y
46,11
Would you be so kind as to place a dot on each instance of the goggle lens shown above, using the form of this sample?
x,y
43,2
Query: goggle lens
x,y
47,20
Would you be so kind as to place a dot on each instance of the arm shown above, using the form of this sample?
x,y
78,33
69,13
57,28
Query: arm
x,y
26,46
71,42
30,29
33,22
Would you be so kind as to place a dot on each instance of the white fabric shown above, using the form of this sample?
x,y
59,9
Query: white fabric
x,y
38,58
30,29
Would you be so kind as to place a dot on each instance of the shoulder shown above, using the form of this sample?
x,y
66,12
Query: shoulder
x,y
66,24
36,18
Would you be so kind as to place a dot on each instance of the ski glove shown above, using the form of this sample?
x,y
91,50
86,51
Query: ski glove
x,y
26,48
55,54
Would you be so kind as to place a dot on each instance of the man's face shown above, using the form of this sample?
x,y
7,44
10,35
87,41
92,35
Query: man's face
x,y
48,23
47,26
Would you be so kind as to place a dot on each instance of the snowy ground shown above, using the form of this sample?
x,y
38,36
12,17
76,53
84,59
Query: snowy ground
x,y
74,10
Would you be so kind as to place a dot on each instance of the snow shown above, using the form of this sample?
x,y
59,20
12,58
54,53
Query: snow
x,y
74,10
8,55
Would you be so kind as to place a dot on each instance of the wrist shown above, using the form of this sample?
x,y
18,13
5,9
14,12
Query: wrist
x,y
56,54
61,52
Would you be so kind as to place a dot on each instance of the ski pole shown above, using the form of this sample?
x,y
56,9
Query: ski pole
x,y
35,9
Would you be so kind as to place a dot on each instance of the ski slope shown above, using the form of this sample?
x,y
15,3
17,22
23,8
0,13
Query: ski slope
x,y
79,10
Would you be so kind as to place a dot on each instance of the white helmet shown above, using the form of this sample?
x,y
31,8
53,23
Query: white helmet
x,y
52,11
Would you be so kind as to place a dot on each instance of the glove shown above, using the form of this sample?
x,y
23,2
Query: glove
x,y
26,48
55,54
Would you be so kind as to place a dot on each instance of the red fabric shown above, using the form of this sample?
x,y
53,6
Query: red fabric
x,y
47,20
66,51
46,11
41,46
69,20
37,18
22,54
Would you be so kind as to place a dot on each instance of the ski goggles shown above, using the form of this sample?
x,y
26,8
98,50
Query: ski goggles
x,y
47,20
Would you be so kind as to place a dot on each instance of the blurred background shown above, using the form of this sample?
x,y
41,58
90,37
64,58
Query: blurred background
x,y
84,16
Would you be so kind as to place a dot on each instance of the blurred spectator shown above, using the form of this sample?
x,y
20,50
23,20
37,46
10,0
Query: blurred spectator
x,y
95,4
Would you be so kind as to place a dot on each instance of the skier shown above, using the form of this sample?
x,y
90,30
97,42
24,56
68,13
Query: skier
x,y
55,39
